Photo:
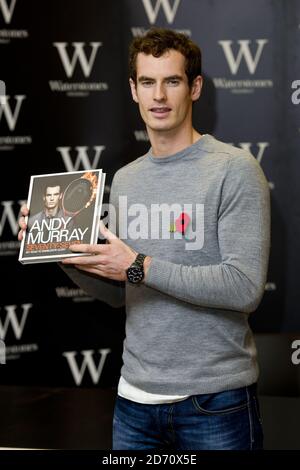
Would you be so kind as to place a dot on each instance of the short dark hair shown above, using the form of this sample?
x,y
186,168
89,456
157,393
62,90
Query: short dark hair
x,y
51,186
157,41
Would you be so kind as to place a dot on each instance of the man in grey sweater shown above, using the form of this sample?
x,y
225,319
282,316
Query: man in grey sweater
x,y
187,253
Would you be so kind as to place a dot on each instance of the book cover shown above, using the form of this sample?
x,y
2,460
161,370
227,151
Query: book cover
x,y
64,209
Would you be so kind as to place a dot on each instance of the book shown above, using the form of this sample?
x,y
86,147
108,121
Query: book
x,y
64,209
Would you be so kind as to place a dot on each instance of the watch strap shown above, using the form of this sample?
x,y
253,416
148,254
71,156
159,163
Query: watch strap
x,y
139,260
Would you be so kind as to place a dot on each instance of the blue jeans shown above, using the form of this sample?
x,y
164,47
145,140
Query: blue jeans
x,y
224,420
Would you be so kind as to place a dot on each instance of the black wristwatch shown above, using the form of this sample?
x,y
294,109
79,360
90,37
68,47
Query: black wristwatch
x,y
135,272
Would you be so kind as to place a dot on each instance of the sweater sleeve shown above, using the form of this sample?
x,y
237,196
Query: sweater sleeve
x,y
107,290
238,281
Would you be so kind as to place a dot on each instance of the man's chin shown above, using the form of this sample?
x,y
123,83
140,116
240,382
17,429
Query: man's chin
x,y
160,127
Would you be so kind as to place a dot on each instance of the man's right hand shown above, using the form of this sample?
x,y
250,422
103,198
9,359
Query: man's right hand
x,y
22,224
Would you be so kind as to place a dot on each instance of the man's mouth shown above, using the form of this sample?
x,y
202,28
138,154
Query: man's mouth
x,y
160,111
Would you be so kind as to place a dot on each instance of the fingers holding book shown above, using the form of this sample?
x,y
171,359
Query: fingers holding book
x,y
22,222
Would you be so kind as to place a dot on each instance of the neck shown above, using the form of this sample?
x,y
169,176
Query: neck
x,y
51,212
170,142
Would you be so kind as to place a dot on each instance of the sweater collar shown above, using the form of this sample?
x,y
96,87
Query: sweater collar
x,y
197,146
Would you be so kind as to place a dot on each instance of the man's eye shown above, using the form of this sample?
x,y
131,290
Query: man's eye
x,y
173,82
147,83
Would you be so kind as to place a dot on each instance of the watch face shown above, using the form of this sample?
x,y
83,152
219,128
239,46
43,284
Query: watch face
x,y
135,274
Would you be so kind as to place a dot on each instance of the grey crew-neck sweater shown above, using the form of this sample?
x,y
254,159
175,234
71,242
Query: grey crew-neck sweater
x,y
203,215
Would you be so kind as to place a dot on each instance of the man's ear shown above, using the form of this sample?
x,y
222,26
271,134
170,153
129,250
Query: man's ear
x,y
133,90
196,88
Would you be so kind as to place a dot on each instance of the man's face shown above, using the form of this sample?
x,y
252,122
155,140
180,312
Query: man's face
x,y
162,91
52,197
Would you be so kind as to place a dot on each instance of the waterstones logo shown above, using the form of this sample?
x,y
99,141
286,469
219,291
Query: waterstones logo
x,y
12,324
84,158
249,54
169,10
9,113
8,216
75,56
73,293
11,319
259,154
87,366
78,56
243,53
261,149
9,227
7,8
10,110
155,10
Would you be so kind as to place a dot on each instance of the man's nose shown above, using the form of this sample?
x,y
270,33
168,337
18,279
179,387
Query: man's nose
x,y
159,92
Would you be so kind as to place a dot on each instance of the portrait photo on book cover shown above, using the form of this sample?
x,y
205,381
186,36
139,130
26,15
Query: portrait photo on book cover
x,y
65,209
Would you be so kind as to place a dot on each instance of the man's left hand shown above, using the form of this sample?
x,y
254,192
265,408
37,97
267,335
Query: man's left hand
x,y
108,260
